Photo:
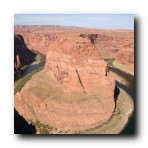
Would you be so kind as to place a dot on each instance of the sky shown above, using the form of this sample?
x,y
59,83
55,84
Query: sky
x,y
99,21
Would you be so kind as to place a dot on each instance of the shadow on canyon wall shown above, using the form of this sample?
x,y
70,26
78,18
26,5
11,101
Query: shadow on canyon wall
x,y
30,68
21,126
22,55
116,93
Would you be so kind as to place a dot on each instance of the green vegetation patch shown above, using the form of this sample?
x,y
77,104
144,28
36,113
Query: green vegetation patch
x,y
110,61
42,128
20,84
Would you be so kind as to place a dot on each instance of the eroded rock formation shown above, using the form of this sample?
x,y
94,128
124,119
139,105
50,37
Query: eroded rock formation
x,y
22,55
78,66
118,45
113,43
110,43
74,92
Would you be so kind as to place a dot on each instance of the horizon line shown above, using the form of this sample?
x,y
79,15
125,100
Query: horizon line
x,y
75,27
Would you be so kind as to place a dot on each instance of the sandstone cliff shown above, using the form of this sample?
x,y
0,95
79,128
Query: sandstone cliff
x,y
22,55
110,43
116,45
78,66
74,92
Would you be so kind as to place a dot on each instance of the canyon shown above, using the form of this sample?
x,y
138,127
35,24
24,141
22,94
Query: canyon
x,y
112,44
22,55
75,90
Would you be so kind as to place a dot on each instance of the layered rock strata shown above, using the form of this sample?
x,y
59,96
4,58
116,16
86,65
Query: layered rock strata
x,y
74,92
110,43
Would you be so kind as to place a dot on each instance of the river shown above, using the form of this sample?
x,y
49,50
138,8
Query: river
x,y
30,68
20,124
123,81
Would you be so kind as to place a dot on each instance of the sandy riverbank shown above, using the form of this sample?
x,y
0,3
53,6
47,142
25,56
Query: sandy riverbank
x,y
120,118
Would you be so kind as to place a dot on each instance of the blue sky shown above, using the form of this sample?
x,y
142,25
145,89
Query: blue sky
x,y
100,21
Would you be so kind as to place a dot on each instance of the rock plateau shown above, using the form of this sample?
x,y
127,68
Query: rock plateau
x,y
118,44
74,92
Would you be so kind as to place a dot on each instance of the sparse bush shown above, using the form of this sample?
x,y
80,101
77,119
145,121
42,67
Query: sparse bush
x,y
42,128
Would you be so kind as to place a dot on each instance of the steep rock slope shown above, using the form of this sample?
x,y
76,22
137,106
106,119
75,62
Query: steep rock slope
x,y
78,66
22,55
108,42
74,92
118,45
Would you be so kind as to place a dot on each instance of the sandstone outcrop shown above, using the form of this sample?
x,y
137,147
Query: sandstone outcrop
x,y
118,45
110,43
22,55
38,40
74,92
78,66
113,43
